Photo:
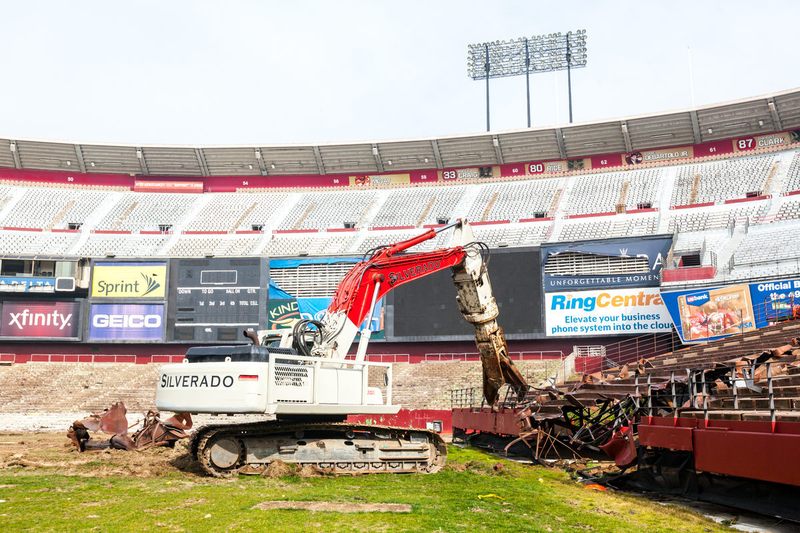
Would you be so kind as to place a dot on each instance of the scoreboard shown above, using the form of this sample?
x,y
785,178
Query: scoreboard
x,y
215,299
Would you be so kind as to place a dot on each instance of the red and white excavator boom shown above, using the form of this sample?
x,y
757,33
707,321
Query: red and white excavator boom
x,y
389,267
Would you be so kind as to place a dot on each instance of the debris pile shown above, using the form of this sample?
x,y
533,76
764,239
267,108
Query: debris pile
x,y
114,422
597,414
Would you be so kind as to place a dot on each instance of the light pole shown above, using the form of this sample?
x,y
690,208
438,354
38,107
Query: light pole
x,y
527,55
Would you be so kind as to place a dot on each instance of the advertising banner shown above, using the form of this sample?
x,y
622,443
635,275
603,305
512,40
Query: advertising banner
x,y
126,322
712,313
609,312
774,300
129,279
381,180
707,314
653,250
285,309
25,284
283,313
55,320
167,186
745,144
655,156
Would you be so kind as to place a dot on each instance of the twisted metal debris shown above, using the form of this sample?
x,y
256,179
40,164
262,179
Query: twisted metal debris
x,y
114,422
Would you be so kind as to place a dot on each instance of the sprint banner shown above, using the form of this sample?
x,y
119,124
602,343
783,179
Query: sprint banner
x,y
605,312
129,279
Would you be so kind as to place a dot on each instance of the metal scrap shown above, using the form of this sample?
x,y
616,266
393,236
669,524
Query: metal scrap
x,y
114,422
599,412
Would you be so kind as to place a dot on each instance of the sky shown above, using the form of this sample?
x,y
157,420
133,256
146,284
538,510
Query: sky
x,y
314,72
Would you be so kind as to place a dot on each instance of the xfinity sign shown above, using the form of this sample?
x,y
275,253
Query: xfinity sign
x,y
126,322
41,320
26,318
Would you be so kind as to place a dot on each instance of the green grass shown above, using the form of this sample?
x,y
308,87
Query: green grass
x,y
41,497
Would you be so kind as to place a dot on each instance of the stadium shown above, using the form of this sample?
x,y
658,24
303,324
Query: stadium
x,y
645,270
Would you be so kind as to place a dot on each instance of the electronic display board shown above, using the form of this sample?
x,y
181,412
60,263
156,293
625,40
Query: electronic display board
x,y
426,309
215,299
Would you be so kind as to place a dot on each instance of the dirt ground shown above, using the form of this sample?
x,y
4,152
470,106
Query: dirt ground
x,y
53,451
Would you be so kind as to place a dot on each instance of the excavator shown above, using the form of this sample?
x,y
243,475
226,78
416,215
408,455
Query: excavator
x,y
307,385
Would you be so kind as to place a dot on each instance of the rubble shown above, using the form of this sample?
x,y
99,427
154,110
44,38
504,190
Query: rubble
x,y
597,415
114,422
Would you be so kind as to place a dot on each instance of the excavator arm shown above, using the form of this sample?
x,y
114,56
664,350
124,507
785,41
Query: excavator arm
x,y
388,268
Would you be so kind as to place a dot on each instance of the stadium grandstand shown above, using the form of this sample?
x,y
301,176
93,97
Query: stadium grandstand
x,y
605,240
520,188
719,181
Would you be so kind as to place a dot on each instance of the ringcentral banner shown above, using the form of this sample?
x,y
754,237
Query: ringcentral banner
x,y
126,322
129,279
605,312
651,252
54,320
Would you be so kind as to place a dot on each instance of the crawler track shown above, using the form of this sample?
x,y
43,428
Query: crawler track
x,y
341,448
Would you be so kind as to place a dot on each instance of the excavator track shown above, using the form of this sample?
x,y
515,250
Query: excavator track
x,y
337,447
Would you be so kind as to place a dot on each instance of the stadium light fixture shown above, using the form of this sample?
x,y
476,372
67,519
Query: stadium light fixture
x,y
527,55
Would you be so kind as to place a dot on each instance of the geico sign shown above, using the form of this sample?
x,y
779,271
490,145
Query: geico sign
x,y
126,321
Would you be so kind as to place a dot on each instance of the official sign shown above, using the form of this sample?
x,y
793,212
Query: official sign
x,y
40,320
652,253
129,279
605,312
126,322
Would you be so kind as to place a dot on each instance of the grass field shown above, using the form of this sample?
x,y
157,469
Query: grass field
x,y
45,485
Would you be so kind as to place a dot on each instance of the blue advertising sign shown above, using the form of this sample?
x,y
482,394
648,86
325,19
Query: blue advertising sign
x,y
126,322
774,300
713,313
26,284
284,309
654,250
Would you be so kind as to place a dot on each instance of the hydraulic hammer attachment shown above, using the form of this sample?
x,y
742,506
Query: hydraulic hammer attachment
x,y
478,306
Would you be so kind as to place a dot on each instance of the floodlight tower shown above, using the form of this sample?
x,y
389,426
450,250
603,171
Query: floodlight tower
x,y
525,55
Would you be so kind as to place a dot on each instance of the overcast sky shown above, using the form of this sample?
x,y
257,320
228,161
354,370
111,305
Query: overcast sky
x,y
288,72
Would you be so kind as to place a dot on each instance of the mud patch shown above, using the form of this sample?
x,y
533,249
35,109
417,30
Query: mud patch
x,y
335,507
279,469
478,467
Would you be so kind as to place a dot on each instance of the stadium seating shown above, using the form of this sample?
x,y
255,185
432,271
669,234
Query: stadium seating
x,y
769,244
329,210
604,227
789,210
103,245
792,181
207,224
530,234
616,192
214,245
322,244
515,200
235,211
716,181
417,207
147,211
41,207
26,243
700,219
